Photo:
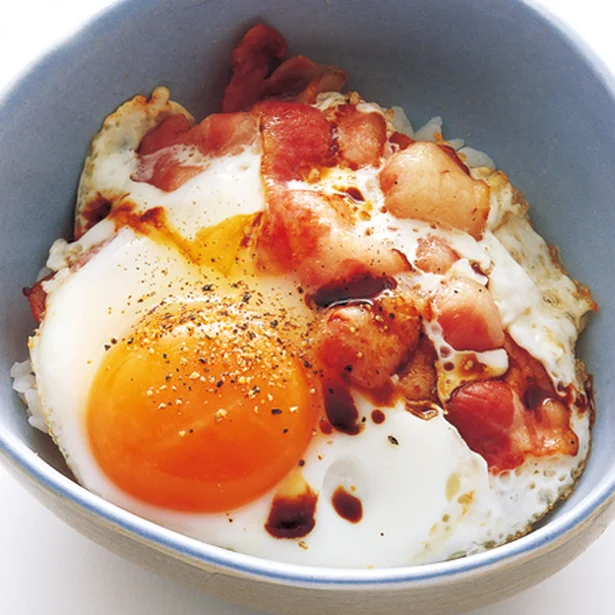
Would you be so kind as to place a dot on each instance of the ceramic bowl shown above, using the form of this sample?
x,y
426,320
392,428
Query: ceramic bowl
x,y
505,73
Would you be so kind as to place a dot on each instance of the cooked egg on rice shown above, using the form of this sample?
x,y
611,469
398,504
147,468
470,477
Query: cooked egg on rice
x,y
303,331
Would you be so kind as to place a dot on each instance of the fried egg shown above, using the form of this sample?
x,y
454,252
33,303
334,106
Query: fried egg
x,y
204,347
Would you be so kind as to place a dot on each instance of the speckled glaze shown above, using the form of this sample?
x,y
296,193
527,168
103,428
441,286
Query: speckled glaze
x,y
500,71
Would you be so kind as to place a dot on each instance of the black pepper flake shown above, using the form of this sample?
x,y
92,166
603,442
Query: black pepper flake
x,y
167,378
307,364
251,335
114,340
207,288
107,346
276,411
301,462
130,340
285,430
256,389
219,383
348,367
246,297
165,355
393,440
274,323
202,360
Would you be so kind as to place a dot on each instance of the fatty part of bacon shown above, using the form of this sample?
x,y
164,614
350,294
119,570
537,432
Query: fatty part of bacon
x,y
175,151
508,420
297,77
425,182
360,136
467,313
434,255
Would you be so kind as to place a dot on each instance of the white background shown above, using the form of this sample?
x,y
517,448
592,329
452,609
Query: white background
x,y
47,568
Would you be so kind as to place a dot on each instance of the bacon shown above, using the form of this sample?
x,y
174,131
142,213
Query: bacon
x,y
169,132
469,318
311,234
508,420
290,79
484,413
424,182
361,136
330,79
366,344
434,255
165,151
401,140
297,139
302,79
297,77
306,231
548,416
451,152
251,60
37,297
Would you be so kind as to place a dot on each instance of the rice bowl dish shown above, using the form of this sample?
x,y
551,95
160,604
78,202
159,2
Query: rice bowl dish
x,y
398,314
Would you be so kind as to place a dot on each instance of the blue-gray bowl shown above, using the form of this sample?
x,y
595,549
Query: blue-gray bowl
x,y
529,93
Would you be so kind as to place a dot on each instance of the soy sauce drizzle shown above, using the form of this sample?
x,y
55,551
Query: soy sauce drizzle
x,y
340,408
347,506
292,516
362,284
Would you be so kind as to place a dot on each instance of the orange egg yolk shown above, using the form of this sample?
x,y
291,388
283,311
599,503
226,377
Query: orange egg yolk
x,y
199,411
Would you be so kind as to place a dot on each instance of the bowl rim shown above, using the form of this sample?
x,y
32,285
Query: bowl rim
x,y
25,460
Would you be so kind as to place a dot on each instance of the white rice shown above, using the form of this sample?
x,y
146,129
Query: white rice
x,y
472,157
24,382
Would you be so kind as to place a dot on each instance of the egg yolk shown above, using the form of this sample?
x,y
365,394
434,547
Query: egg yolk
x,y
199,414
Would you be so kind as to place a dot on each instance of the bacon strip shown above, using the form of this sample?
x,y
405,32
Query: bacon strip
x,y
174,152
508,420
251,60
296,140
297,77
361,136
365,344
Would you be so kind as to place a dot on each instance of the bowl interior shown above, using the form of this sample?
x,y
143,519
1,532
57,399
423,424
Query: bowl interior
x,y
502,77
